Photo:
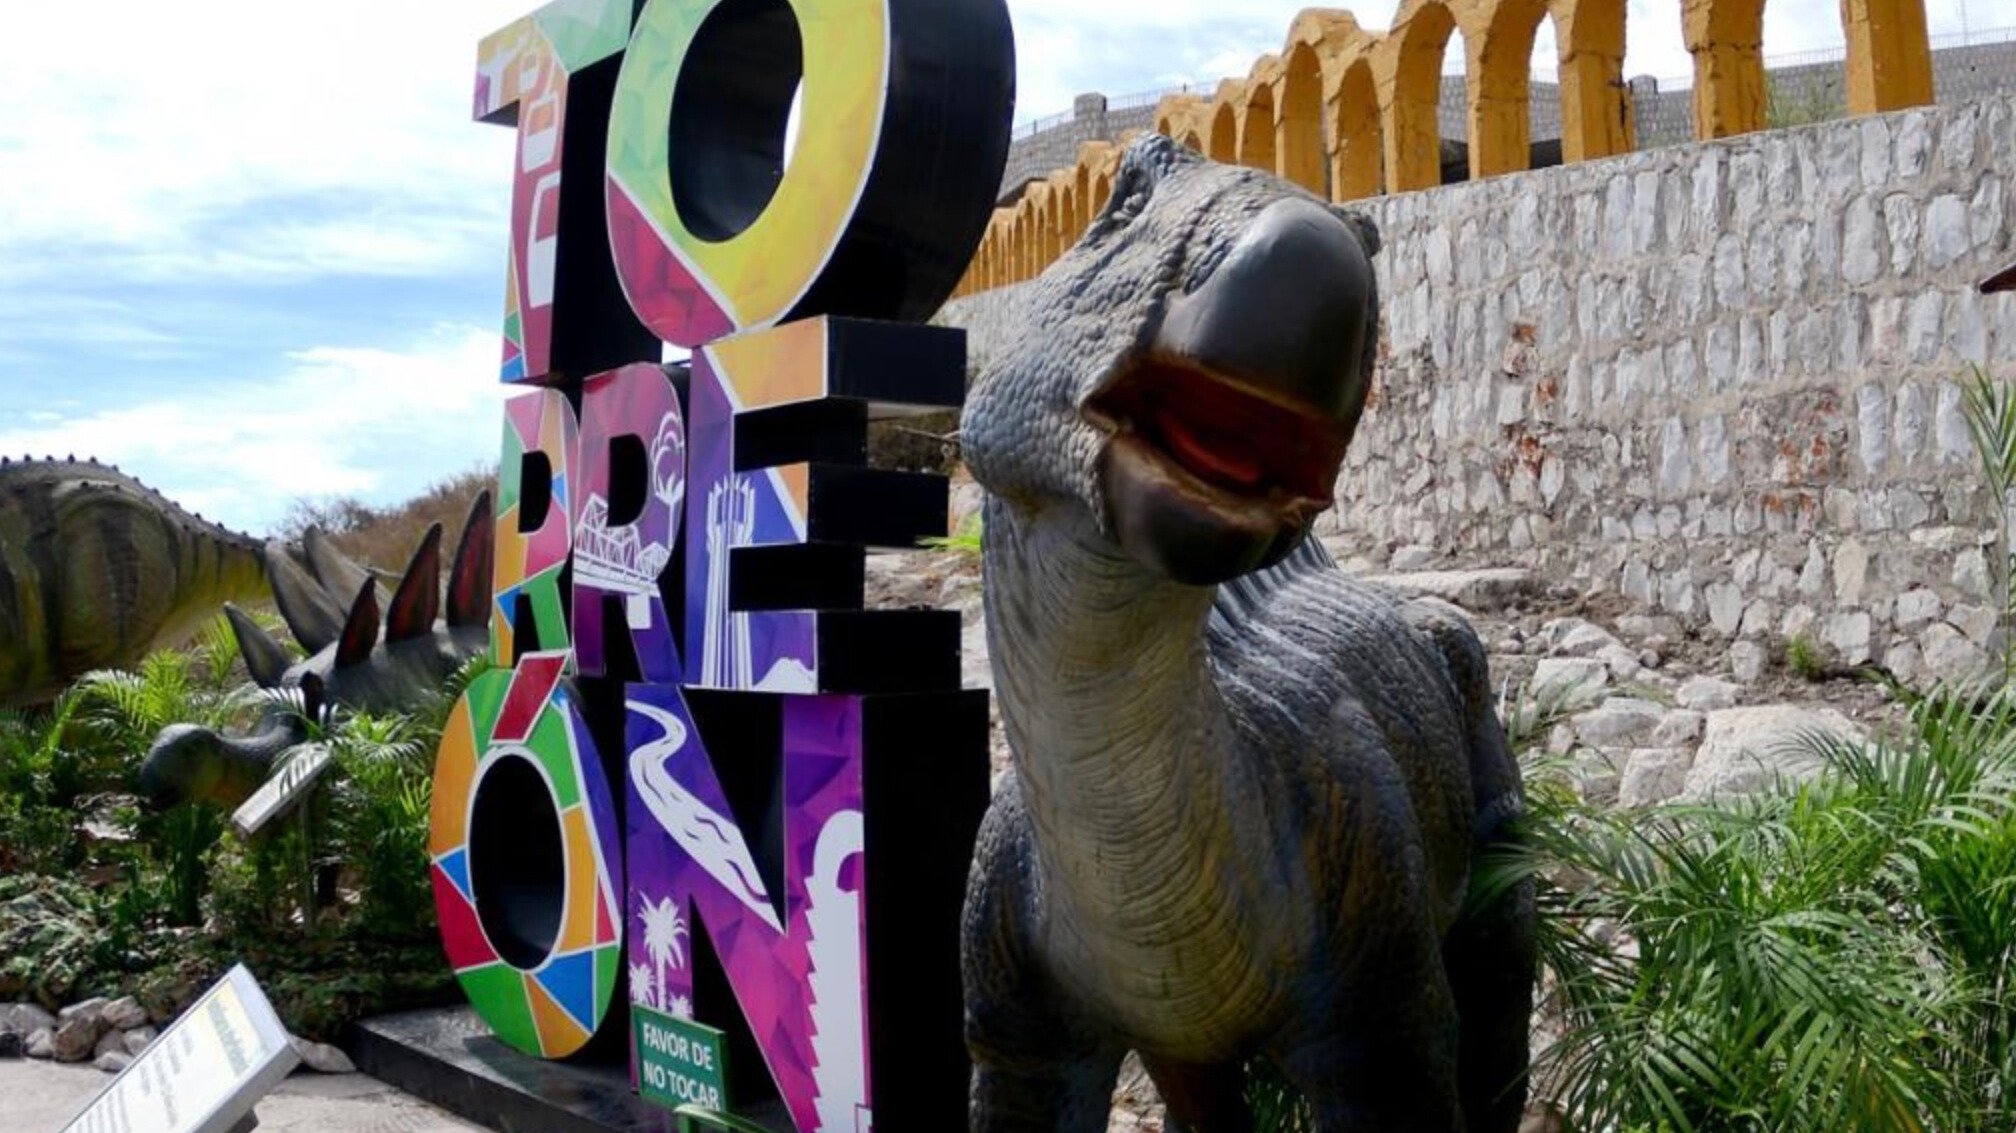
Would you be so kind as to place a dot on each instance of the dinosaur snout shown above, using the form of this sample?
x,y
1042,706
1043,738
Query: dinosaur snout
x,y
1285,313
1226,434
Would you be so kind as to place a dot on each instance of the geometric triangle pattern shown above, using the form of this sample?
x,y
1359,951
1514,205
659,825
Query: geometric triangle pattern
x,y
570,980
556,1007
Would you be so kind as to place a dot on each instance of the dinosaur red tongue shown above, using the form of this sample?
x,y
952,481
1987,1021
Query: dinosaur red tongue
x,y
1210,453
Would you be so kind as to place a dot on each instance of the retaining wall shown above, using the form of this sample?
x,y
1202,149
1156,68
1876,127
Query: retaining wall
x,y
1723,379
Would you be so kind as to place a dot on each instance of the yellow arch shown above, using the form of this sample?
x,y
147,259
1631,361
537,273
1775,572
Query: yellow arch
x,y
1726,38
1256,118
1223,137
1358,140
1889,62
1409,65
1298,120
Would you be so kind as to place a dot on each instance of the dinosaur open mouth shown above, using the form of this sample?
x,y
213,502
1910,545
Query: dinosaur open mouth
x,y
1223,432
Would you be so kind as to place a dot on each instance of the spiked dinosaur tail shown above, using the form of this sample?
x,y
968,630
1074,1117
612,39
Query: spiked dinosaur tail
x,y
359,658
97,570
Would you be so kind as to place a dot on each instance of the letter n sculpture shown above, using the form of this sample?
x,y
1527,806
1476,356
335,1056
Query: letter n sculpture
x,y
700,769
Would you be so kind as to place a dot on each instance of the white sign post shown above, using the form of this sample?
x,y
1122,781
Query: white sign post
x,y
287,789
203,1074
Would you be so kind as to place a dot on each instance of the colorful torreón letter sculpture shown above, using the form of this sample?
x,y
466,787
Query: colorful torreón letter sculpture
x,y
705,769
1248,791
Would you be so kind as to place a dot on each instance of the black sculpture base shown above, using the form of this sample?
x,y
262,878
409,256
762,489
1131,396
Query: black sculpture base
x,y
448,1057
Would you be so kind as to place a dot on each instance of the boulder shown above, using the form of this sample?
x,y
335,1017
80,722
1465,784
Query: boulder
x,y
1950,657
77,1036
1654,775
113,1061
1623,664
1479,591
108,1042
1569,682
1640,627
1706,694
25,1019
92,1006
321,1057
1746,661
1744,750
1620,722
1596,775
125,1013
1679,728
1575,637
136,1040
40,1044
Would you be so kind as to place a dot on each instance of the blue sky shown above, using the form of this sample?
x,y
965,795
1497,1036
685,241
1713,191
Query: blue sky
x,y
254,252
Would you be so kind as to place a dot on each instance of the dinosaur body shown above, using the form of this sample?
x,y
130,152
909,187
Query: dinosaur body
x,y
97,570
1247,792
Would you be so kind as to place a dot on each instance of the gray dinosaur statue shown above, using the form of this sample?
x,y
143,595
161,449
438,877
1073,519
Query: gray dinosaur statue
x,y
359,659
97,570
1247,791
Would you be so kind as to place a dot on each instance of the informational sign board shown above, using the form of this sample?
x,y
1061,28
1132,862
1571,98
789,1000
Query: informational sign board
x,y
282,792
679,1062
203,1074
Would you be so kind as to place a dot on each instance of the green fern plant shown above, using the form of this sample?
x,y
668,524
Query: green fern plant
x,y
1990,409
1837,956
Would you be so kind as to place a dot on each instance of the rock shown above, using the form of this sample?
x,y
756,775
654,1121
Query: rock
x,y
1653,775
1573,637
1745,750
1621,722
1848,633
1678,728
40,1044
25,1019
108,1042
77,1037
113,1061
11,1044
1478,591
1569,682
1917,606
1979,623
1412,557
1596,776
321,1057
125,1013
91,1007
1706,694
1649,659
1746,661
1949,657
136,1040
1622,663
1640,627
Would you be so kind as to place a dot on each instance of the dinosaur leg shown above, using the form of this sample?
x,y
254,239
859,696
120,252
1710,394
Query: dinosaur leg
x,y
1038,1064
1381,1056
1490,956
1202,1099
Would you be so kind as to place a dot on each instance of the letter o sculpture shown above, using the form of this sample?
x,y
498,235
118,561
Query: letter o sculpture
x,y
526,859
715,232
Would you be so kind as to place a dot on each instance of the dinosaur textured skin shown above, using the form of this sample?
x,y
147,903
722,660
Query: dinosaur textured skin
x,y
1247,792
97,570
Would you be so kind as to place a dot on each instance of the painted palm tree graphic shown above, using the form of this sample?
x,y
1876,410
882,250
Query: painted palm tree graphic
x,y
643,987
664,936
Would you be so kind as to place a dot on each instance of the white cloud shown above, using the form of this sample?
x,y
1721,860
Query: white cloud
x,y
364,421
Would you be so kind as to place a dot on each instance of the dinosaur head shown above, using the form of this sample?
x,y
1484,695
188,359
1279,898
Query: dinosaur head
x,y
359,659
1191,372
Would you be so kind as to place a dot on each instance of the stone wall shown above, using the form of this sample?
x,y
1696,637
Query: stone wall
x,y
1723,380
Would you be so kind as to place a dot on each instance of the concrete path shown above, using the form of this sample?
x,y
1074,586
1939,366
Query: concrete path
x,y
41,1097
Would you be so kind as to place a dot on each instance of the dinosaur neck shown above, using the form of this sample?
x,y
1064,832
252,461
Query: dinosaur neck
x,y
1128,764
